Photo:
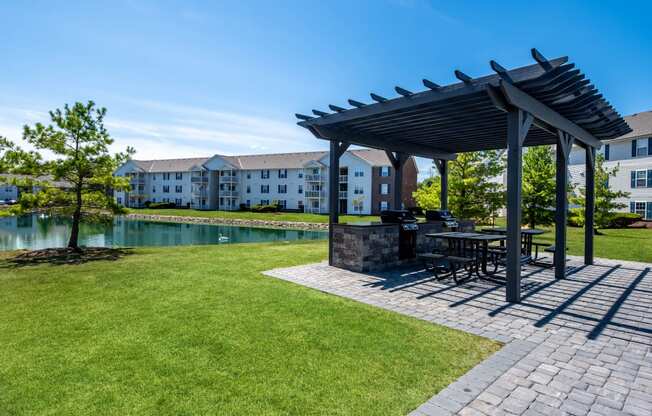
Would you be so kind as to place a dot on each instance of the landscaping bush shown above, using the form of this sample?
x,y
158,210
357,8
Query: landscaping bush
x,y
161,205
266,208
244,207
624,219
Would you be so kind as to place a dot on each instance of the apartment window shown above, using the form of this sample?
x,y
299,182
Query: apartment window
x,y
264,174
300,189
153,189
642,147
606,151
264,202
248,175
166,189
179,176
358,206
641,178
640,207
384,205
248,189
154,177
282,173
178,202
166,176
178,189
358,173
384,189
166,199
282,203
264,189
300,174
221,201
282,189
300,205
358,190
248,203
384,171
119,200
315,171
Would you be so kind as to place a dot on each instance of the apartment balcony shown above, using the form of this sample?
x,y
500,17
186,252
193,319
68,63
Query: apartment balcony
x,y
229,179
344,178
343,194
199,193
229,194
137,180
314,178
315,194
199,179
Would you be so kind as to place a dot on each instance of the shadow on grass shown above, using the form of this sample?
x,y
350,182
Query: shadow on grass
x,y
63,256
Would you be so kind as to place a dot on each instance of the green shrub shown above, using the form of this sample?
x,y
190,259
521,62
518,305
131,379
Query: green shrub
x,y
624,219
162,205
266,208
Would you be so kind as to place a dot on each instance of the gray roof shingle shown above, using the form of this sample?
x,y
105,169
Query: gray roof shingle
x,y
640,123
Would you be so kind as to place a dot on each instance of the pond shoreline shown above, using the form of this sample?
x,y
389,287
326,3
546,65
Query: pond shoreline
x,y
286,225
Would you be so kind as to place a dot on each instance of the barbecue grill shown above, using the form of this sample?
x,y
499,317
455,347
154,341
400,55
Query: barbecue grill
x,y
407,231
442,215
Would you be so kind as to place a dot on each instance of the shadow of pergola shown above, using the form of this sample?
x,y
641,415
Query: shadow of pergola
x,y
614,301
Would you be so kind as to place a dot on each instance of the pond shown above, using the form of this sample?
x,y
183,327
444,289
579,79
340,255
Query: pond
x,y
39,231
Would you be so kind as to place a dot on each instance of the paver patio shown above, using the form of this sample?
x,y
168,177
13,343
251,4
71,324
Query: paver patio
x,y
576,346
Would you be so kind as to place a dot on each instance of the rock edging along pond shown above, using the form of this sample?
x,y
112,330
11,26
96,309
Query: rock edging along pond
x,y
231,221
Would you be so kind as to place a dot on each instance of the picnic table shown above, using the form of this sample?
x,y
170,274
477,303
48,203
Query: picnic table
x,y
527,237
468,250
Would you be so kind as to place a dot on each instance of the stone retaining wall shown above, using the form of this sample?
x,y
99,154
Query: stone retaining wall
x,y
231,221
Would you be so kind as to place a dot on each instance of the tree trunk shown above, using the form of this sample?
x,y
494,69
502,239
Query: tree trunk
x,y
74,234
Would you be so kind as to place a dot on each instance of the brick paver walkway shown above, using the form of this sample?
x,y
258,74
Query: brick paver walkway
x,y
577,346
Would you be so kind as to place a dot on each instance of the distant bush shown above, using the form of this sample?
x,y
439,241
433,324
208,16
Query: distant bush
x,y
266,208
161,205
616,220
245,207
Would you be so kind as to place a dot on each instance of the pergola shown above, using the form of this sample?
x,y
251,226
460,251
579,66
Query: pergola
x,y
549,102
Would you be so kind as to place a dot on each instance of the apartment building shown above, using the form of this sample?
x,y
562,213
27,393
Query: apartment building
x,y
9,192
296,181
632,153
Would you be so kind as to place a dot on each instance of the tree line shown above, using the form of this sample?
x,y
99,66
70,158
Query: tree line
x,y
476,188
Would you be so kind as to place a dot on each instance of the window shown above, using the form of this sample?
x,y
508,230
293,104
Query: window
x,y
358,190
248,203
264,202
178,202
641,178
153,189
300,205
166,176
154,177
300,174
119,200
639,207
248,189
642,147
248,175
384,189
179,176
300,190
264,174
264,189
166,189
358,173
178,189
606,152
282,189
282,173
282,203
315,171
358,206
384,171
384,205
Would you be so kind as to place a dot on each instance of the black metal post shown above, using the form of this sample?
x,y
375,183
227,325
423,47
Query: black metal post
x,y
514,182
443,172
333,194
561,215
589,209
398,180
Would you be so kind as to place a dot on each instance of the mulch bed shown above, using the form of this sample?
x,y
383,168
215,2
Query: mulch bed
x,y
67,255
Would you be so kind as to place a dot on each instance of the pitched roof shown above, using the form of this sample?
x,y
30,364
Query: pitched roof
x,y
640,123
170,165
269,161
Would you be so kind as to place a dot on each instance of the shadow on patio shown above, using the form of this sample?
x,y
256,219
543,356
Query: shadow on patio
x,y
613,300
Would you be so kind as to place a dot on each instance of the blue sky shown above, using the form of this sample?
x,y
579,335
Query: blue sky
x,y
192,78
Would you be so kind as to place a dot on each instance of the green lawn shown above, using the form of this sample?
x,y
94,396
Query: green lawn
x,y
620,244
199,331
263,216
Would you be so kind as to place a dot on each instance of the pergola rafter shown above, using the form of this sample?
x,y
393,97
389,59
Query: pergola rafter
x,y
548,103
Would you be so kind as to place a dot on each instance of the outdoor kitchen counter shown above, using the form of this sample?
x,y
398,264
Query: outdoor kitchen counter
x,y
373,246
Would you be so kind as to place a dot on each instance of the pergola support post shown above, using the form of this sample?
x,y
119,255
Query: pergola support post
x,y
518,124
398,161
442,167
336,150
564,145
589,208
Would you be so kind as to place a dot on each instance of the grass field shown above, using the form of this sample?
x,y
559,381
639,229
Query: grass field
x,y
198,330
262,216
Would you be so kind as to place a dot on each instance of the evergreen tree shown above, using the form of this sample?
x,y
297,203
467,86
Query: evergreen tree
x,y
538,186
